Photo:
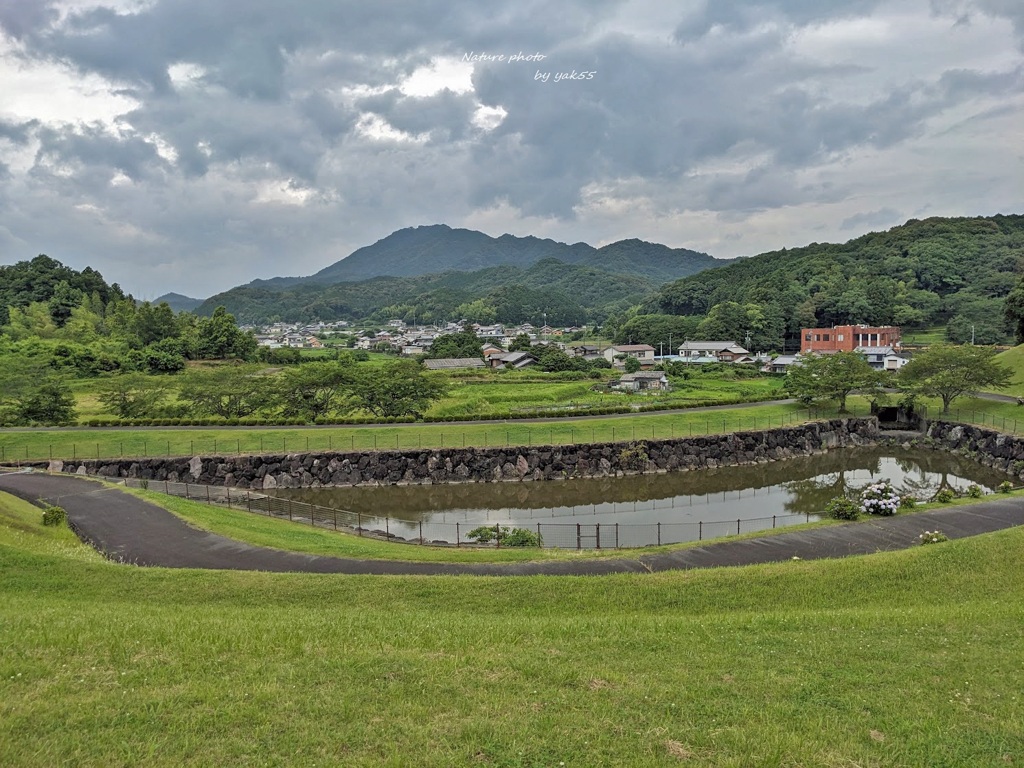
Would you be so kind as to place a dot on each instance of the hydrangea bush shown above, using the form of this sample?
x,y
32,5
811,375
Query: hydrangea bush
x,y
880,499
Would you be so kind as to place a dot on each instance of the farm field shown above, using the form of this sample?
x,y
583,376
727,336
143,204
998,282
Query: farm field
x,y
908,658
43,444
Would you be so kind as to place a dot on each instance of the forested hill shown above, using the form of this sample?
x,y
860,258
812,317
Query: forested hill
x,y
954,271
47,280
439,248
568,294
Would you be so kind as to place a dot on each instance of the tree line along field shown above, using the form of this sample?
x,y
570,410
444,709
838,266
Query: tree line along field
x,y
490,393
897,659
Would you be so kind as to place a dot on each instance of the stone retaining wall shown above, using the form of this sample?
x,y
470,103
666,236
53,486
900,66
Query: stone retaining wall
x,y
986,446
459,465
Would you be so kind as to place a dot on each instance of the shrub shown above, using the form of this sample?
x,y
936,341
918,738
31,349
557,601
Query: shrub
x,y
505,536
54,515
634,457
880,499
842,508
974,491
945,496
932,537
1005,487
907,502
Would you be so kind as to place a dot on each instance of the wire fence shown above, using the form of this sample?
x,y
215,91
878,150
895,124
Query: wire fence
x,y
430,533
17,446
999,422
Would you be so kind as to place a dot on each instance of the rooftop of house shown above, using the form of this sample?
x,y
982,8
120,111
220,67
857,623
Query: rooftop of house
x,y
445,363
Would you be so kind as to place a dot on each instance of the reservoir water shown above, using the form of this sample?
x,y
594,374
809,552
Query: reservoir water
x,y
646,509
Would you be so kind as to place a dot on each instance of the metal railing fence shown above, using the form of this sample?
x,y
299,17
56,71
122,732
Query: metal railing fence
x,y
554,535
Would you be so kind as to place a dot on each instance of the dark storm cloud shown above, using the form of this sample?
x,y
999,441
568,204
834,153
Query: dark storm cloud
x,y
262,130
19,18
883,217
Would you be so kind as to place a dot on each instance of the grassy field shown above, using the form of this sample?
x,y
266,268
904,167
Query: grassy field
x,y
24,445
901,659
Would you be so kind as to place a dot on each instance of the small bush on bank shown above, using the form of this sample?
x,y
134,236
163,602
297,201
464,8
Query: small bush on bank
x,y
974,491
53,515
1005,487
907,502
634,457
505,536
932,537
842,508
945,496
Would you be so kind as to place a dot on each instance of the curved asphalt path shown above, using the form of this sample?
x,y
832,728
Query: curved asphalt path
x,y
128,529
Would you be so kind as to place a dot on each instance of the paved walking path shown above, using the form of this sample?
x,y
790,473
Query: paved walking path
x,y
131,530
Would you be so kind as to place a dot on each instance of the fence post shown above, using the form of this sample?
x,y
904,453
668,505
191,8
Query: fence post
x,y
659,533
458,536
421,533
700,530
248,502
598,531
207,494
289,509
579,540
497,535
773,522
387,528
737,527
335,518
616,534
227,493
186,490
539,539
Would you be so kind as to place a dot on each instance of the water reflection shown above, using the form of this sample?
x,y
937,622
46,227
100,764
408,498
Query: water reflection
x,y
794,487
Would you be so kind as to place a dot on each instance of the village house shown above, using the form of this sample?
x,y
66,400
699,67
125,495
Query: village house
x,y
643,381
642,352
882,358
722,351
515,360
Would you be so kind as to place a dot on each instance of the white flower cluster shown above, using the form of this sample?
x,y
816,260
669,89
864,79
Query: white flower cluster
x,y
880,499
932,537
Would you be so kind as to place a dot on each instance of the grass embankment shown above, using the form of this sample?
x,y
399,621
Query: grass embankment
x,y
909,658
24,445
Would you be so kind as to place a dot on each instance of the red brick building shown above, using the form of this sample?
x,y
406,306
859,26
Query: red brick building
x,y
846,338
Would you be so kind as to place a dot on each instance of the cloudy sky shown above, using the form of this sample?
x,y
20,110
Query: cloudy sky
x,y
192,145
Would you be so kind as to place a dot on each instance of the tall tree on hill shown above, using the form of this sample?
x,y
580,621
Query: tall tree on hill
x,y
948,372
463,344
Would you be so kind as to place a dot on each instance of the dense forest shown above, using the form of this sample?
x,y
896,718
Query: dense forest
x,y
568,294
953,272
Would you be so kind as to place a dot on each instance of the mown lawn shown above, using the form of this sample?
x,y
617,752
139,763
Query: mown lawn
x,y
900,659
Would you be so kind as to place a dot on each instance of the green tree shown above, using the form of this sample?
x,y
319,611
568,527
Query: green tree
x,y
459,345
219,338
521,343
32,392
831,377
1013,310
948,372
230,391
314,390
131,395
399,388
631,364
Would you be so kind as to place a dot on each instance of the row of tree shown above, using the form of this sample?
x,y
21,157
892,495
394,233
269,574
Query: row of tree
x,y
943,371
308,392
